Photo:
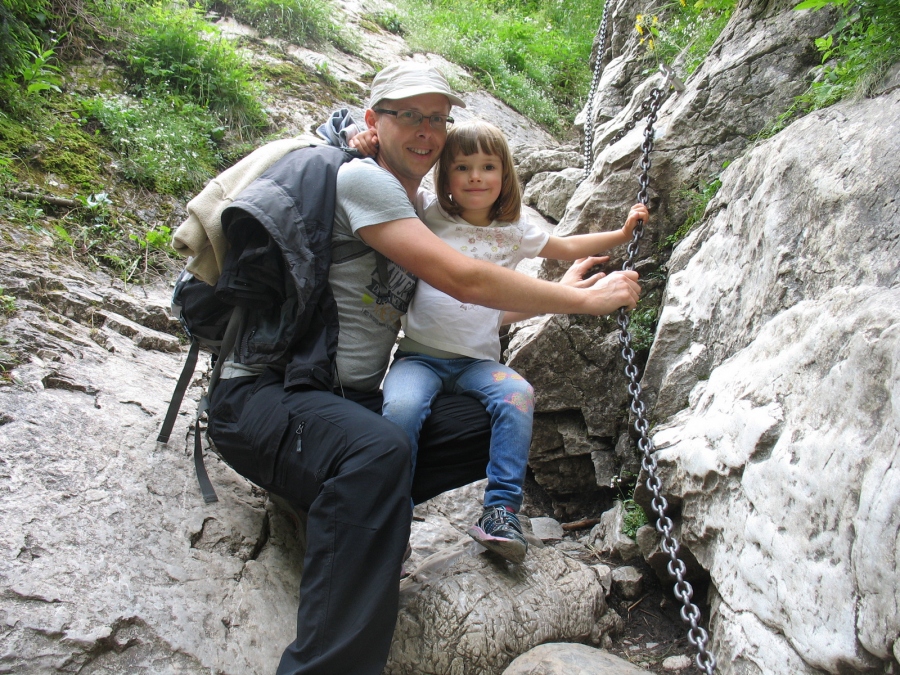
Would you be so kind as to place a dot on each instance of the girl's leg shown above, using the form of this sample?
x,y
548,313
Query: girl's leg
x,y
509,400
410,388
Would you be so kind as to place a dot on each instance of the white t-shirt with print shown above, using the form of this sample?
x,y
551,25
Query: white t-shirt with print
x,y
437,320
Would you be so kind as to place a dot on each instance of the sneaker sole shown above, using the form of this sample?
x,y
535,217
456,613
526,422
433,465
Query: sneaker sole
x,y
512,550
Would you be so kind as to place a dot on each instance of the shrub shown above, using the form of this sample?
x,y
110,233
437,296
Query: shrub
x,y
166,145
21,22
857,54
532,55
174,49
298,21
681,33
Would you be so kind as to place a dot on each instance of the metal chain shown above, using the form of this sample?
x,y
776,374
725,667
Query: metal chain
x,y
690,613
589,112
641,113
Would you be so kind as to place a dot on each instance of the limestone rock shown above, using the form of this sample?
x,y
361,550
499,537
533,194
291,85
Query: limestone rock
x,y
753,72
549,192
531,160
570,659
791,285
607,535
627,582
472,613
547,529
675,663
604,573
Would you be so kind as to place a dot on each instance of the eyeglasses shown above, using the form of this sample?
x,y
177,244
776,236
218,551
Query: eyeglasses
x,y
413,118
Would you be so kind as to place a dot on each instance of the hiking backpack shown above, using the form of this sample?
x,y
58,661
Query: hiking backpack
x,y
278,231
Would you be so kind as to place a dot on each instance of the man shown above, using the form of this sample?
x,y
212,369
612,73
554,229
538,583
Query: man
x,y
332,454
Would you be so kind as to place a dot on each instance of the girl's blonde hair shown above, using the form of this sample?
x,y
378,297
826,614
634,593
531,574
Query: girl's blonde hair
x,y
467,139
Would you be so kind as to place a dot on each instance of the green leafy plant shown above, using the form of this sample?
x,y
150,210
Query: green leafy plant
x,y
8,304
21,21
167,145
634,519
298,21
698,199
643,327
855,56
39,75
533,55
157,238
175,51
390,20
857,53
680,34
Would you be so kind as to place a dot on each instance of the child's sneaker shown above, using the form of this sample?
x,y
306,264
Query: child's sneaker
x,y
500,531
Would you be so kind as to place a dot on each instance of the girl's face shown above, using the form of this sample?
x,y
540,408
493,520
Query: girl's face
x,y
474,181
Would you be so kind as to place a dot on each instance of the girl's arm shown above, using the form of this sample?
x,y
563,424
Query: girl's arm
x,y
581,245
366,142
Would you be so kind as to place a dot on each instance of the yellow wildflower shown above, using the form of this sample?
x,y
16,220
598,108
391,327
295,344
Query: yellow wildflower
x,y
639,28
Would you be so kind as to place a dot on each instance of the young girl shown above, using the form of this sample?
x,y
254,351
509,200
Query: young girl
x,y
455,347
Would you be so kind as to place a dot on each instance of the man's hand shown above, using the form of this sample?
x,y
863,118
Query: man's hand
x,y
617,289
575,275
366,142
637,212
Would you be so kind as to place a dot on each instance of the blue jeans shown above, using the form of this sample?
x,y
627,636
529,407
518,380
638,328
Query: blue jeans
x,y
414,381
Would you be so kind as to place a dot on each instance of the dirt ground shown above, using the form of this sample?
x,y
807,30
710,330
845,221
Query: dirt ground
x,y
653,628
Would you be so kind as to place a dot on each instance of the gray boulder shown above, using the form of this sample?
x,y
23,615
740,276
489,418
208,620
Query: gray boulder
x,y
570,659
468,612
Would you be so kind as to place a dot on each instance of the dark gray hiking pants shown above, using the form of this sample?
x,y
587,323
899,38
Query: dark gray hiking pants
x,y
348,469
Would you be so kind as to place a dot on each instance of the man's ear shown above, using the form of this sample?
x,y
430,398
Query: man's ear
x,y
370,117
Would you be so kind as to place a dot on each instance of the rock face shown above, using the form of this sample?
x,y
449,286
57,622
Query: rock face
x,y
785,449
772,381
110,562
755,69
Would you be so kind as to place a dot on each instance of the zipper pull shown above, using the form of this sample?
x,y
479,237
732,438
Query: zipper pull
x,y
299,433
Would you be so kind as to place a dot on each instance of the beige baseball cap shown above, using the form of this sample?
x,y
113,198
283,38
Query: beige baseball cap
x,y
409,78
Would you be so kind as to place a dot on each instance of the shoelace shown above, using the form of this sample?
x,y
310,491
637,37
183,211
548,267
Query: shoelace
x,y
499,518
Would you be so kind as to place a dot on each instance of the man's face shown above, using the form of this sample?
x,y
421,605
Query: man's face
x,y
409,152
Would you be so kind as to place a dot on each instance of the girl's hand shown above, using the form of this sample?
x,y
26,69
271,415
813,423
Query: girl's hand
x,y
638,212
366,142
575,275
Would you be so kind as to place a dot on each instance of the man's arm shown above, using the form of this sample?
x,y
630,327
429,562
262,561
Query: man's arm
x,y
575,276
409,243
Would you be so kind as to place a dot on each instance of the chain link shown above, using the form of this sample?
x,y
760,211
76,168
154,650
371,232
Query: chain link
x,y
690,613
589,112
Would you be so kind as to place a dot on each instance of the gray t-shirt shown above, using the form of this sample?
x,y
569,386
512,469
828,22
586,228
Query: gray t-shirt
x,y
369,313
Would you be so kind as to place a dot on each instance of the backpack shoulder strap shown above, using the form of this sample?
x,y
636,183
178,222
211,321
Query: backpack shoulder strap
x,y
231,332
